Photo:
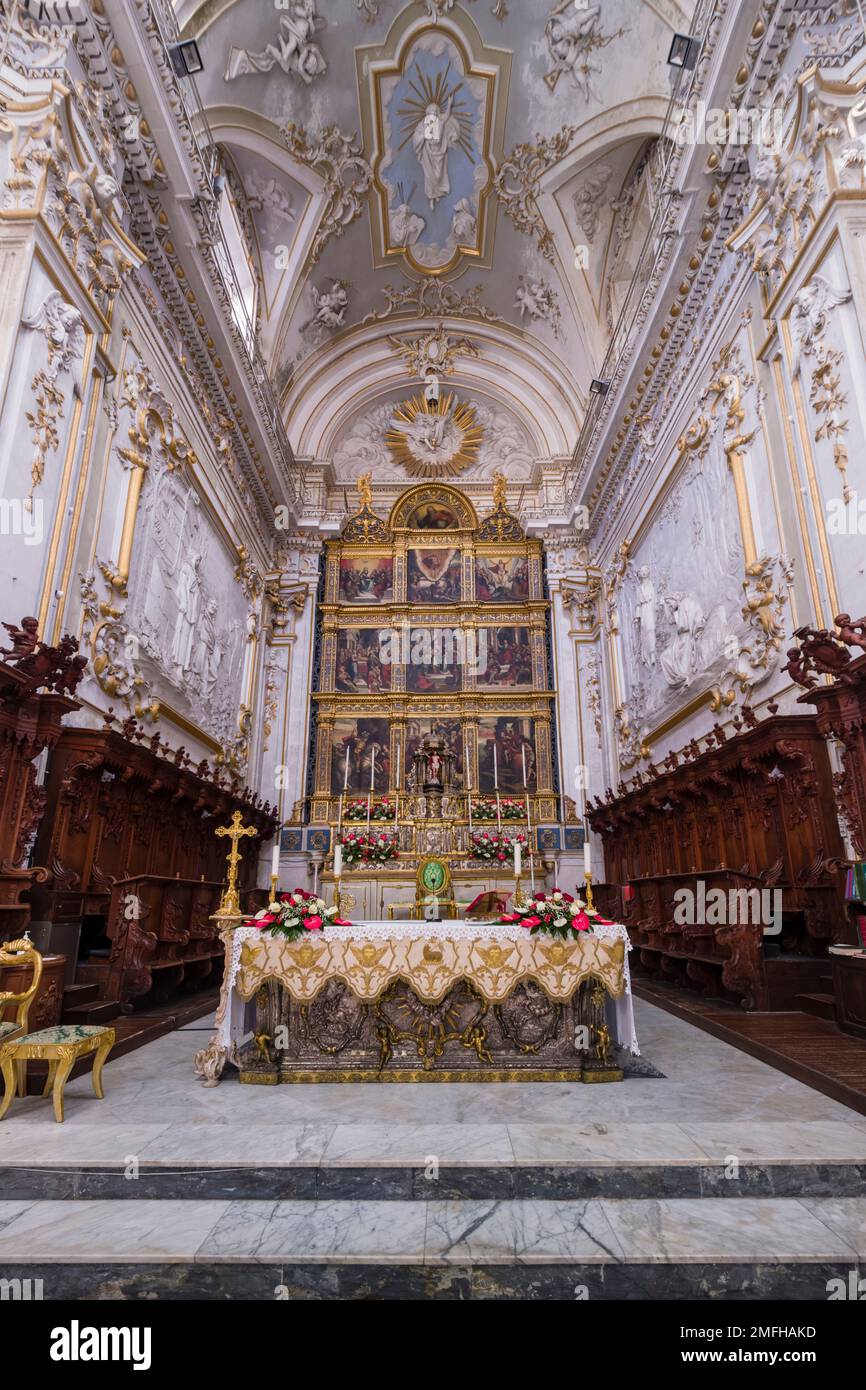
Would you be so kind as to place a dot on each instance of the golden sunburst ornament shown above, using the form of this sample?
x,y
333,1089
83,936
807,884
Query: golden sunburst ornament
x,y
434,439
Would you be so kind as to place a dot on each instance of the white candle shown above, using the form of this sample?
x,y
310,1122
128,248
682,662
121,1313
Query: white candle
x,y
523,757
373,771
495,769
399,765
467,768
275,860
315,880
346,773
587,855
517,861
338,861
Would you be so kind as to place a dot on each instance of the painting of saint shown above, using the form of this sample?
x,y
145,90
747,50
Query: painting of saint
x,y
434,575
363,662
502,581
503,746
367,579
362,746
434,660
509,660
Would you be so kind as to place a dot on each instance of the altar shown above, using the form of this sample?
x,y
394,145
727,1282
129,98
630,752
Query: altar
x,y
423,1001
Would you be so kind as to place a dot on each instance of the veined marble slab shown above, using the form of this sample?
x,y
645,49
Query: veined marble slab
x,y
608,1231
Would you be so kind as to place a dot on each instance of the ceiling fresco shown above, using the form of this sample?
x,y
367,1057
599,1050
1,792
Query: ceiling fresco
x,y
445,189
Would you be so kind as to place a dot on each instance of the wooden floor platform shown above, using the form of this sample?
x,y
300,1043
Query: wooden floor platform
x,y
811,1049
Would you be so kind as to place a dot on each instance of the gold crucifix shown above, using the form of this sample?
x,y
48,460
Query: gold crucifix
x,y
231,904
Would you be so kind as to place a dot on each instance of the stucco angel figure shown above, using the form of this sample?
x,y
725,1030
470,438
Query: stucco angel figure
x,y
331,305
295,50
433,137
570,32
812,307
534,298
63,329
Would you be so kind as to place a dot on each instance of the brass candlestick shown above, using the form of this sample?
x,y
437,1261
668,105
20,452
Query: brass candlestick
x,y
590,904
275,883
518,893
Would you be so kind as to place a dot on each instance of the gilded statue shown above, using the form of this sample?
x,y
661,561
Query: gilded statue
x,y
365,489
500,490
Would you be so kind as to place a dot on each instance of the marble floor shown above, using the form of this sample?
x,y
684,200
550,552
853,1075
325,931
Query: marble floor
x,y
326,1180
819,1231
714,1102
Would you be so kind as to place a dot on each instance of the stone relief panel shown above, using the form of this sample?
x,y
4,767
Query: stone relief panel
x,y
682,590
185,608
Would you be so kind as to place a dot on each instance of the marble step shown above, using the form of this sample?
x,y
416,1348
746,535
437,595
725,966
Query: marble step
x,y
85,1158
756,1248
407,1182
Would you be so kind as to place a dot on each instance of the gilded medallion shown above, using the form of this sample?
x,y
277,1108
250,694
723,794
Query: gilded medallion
x,y
435,439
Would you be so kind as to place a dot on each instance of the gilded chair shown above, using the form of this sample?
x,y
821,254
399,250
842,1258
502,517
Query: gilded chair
x,y
17,954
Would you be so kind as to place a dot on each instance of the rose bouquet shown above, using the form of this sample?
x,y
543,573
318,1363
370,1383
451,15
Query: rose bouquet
x,y
379,810
494,848
292,915
361,848
556,913
509,809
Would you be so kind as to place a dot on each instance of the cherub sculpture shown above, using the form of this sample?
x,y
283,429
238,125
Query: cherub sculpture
x,y
24,638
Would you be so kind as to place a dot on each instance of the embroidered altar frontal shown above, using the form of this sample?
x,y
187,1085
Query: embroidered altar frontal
x,y
431,1007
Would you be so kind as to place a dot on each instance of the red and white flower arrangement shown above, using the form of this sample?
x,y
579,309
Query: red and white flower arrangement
x,y
555,913
361,848
379,810
509,809
494,848
295,914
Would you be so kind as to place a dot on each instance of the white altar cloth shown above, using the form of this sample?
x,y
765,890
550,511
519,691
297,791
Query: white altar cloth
x,y
232,1032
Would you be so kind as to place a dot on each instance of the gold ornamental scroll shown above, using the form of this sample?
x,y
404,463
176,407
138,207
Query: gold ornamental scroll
x,y
431,966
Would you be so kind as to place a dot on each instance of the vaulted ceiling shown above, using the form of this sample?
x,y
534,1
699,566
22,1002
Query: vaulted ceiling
x,y
458,184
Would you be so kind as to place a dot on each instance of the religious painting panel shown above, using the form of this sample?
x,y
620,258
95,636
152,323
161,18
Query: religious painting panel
x,y
433,516
501,579
360,757
363,661
433,575
505,659
417,730
434,659
367,578
505,745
